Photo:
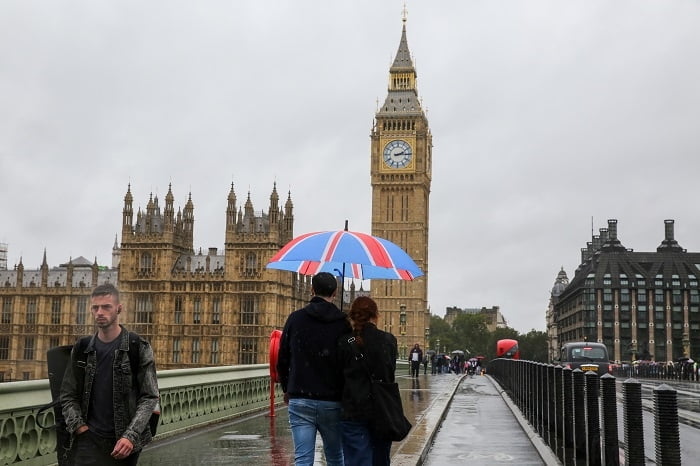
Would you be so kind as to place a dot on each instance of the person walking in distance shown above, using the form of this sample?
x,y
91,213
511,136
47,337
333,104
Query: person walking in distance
x,y
415,358
379,352
106,406
310,375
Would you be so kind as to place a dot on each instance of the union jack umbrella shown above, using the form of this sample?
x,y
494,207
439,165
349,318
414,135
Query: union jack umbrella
x,y
347,254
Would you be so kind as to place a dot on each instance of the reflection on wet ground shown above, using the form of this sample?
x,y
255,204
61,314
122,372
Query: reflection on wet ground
x,y
480,429
261,439
253,440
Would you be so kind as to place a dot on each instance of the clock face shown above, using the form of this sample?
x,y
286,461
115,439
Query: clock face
x,y
397,154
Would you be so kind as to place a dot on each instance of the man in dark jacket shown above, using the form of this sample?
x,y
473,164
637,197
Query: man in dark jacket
x,y
415,358
310,375
106,407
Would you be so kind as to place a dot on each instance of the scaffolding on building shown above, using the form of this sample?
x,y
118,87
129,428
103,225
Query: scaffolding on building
x,y
3,256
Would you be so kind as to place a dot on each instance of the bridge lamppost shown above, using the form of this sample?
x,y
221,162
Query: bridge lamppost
x,y
402,327
427,338
686,346
633,350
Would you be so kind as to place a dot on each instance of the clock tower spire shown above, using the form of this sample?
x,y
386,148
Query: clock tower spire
x,y
401,158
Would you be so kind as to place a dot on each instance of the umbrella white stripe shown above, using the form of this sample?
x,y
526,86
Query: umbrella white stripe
x,y
373,257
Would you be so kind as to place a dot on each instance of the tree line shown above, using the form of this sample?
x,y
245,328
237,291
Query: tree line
x,y
470,334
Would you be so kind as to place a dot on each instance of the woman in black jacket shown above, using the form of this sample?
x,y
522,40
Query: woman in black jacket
x,y
378,352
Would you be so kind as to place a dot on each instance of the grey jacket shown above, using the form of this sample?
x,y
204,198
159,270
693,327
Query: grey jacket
x,y
133,409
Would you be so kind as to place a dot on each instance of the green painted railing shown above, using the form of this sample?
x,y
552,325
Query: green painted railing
x,y
190,398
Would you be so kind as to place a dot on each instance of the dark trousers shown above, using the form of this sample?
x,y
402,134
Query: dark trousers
x,y
415,368
90,449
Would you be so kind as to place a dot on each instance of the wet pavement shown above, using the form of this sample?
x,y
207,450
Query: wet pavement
x,y
478,428
481,429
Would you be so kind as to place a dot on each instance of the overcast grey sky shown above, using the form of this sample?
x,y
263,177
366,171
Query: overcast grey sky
x,y
544,114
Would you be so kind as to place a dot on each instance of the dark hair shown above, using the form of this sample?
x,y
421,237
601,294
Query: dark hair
x,y
106,289
362,310
324,284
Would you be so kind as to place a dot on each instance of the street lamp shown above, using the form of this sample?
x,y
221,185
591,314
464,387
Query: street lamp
x,y
402,327
427,338
686,346
402,319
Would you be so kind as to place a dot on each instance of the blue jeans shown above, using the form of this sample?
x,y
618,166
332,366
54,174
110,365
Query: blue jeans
x,y
306,417
361,449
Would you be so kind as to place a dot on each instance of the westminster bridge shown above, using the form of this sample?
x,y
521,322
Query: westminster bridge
x,y
224,415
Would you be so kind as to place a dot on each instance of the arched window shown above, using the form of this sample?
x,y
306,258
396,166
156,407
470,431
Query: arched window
x,y
146,265
251,263
144,309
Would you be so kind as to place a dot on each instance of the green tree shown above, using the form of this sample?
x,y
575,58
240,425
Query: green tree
x,y
471,334
440,330
533,346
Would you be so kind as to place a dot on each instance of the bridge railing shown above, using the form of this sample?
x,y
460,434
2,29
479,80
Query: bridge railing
x,y
685,371
575,413
190,398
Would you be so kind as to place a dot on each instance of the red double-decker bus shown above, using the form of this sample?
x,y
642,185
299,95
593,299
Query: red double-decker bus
x,y
507,348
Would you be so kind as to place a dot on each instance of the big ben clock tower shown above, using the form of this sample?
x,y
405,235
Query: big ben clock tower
x,y
401,157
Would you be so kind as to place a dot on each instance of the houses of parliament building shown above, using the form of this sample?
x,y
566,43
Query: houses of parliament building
x,y
218,307
196,308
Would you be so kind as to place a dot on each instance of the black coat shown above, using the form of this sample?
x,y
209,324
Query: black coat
x,y
307,363
380,353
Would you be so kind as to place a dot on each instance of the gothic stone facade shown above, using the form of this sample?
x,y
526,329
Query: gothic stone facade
x,y
197,309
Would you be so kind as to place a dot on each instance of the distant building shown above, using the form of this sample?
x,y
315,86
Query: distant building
x,y
197,308
493,317
3,256
43,308
352,293
561,282
641,305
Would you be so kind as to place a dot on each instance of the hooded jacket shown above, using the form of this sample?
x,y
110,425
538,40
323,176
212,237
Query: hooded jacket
x,y
307,363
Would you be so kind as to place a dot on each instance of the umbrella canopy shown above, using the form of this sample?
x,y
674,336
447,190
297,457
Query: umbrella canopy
x,y
347,254
457,352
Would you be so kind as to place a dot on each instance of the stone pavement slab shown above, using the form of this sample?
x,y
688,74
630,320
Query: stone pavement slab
x,y
480,429
425,408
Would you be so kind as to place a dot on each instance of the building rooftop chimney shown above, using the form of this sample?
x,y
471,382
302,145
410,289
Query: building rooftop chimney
x,y
669,244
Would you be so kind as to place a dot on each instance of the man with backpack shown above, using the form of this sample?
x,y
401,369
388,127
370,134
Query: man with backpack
x,y
108,398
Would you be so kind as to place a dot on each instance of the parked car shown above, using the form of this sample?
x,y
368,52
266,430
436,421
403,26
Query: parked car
x,y
586,356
